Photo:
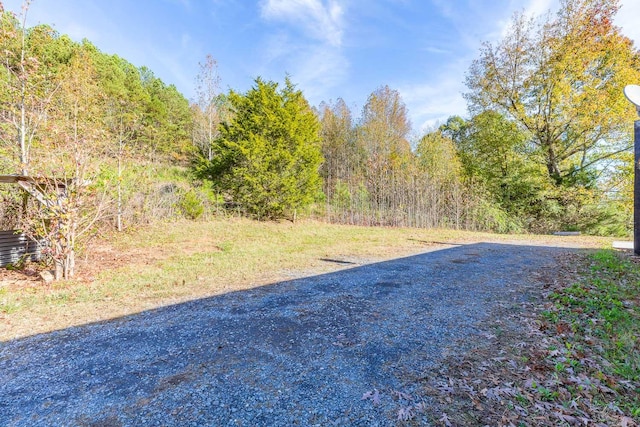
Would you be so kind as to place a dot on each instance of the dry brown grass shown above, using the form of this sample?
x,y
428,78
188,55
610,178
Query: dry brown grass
x,y
169,263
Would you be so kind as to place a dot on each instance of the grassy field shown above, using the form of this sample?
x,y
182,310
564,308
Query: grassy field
x,y
173,262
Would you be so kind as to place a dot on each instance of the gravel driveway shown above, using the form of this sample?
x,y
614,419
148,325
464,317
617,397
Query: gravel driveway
x,y
303,352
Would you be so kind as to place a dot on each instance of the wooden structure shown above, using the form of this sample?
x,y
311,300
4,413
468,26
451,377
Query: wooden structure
x,y
14,246
35,185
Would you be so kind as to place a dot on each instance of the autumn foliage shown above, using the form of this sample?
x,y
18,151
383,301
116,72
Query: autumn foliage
x,y
545,147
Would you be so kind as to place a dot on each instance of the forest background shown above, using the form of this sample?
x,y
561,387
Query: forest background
x,y
545,146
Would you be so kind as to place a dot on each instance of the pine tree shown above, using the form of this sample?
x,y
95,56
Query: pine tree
x,y
268,154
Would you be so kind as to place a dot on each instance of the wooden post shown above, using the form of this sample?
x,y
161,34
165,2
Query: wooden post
x,y
636,188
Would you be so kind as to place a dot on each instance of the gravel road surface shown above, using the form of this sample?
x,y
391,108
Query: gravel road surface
x,y
303,352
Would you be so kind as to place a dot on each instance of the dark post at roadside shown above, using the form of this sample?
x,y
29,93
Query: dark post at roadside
x,y
632,92
636,187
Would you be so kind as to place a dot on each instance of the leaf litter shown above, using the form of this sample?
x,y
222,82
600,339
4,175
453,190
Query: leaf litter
x,y
529,371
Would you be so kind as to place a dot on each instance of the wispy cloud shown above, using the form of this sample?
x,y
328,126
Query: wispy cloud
x,y
316,61
319,69
436,50
319,20
432,103
540,7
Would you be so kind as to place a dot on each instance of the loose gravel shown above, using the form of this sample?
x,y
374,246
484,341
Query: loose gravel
x,y
302,352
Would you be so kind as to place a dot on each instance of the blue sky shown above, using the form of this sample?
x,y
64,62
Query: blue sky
x,y
330,48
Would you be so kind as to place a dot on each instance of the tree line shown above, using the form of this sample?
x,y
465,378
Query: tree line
x,y
545,145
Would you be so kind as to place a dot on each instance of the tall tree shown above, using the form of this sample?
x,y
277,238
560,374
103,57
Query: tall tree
x,y
437,157
27,85
74,132
122,114
383,135
561,80
166,123
343,160
497,157
268,154
440,180
207,111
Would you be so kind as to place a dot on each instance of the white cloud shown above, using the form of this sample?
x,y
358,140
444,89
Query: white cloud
x,y
627,19
315,67
433,102
540,7
316,62
319,20
319,69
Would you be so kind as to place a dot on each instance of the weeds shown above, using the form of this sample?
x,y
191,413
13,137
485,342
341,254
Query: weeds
x,y
581,360
596,321
605,307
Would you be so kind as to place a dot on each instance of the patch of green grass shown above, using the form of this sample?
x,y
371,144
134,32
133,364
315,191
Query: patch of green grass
x,y
546,394
603,310
8,303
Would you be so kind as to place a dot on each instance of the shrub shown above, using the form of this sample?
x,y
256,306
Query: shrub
x,y
191,205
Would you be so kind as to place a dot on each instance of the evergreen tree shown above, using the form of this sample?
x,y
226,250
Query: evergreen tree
x,y
267,156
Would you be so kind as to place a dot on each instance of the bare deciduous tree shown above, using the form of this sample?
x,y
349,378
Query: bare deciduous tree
x,y
207,110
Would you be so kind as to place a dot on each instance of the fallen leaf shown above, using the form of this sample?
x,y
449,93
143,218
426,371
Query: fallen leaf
x,y
405,413
373,395
445,419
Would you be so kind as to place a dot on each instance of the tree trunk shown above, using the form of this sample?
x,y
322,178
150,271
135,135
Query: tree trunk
x,y
58,269
119,202
69,265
